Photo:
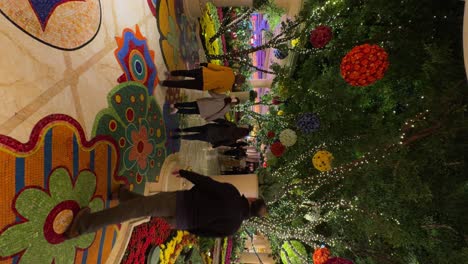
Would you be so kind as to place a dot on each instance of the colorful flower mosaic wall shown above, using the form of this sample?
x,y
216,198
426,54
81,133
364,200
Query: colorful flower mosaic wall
x,y
136,59
62,24
47,181
134,120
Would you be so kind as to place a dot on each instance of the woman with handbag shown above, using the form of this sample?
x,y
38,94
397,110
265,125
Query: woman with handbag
x,y
209,108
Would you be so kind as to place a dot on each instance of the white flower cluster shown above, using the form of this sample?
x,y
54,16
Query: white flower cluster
x,y
288,137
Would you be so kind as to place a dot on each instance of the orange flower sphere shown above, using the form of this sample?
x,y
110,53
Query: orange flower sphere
x,y
321,255
364,65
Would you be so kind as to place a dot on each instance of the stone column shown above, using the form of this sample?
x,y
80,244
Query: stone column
x,y
261,83
247,184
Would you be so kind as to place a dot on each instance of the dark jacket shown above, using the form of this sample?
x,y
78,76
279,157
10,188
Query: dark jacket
x,y
222,133
211,208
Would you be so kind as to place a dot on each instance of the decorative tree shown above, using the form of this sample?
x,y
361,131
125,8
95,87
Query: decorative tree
x,y
398,181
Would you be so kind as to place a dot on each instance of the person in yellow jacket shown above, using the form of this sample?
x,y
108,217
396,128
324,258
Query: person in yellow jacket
x,y
209,77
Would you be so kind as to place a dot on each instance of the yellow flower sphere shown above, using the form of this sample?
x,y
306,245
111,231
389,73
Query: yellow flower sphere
x,y
294,42
322,160
280,112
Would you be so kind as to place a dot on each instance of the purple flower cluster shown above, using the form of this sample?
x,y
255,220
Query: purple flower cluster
x,y
308,122
227,260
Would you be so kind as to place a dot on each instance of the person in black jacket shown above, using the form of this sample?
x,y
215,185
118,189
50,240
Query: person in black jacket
x,y
220,133
209,209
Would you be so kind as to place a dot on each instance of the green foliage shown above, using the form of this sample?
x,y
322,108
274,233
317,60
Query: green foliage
x,y
412,205
206,244
273,14
293,252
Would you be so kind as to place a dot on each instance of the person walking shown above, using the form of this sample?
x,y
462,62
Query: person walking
x,y
208,209
219,133
209,108
209,77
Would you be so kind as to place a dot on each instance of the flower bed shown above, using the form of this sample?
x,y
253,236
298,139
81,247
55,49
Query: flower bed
x,y
171,250
210,24
145,236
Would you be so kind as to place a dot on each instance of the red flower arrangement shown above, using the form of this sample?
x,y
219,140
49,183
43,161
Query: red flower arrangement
x,y
153,233
276,100
320,36
364,65
337,260
271,134
321,255
277,149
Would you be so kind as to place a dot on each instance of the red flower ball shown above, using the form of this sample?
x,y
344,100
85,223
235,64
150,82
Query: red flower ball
x,y
277,149
320,36
271,134
364,65
276,100
321,255
337,260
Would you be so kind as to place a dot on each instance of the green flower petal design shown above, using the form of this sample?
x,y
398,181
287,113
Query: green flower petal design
x,y
67,255
37,210
9,242
62,188
42,233
96,205
85,186
38,254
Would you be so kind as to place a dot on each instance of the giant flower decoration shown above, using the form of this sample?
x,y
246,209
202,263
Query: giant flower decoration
x,y
321,255
364,65
288,137
322,160
141,147
46,215
136,59
135,121
277,149
308,122
320,36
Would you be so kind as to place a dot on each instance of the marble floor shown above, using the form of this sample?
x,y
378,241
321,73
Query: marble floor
x,y
81,113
